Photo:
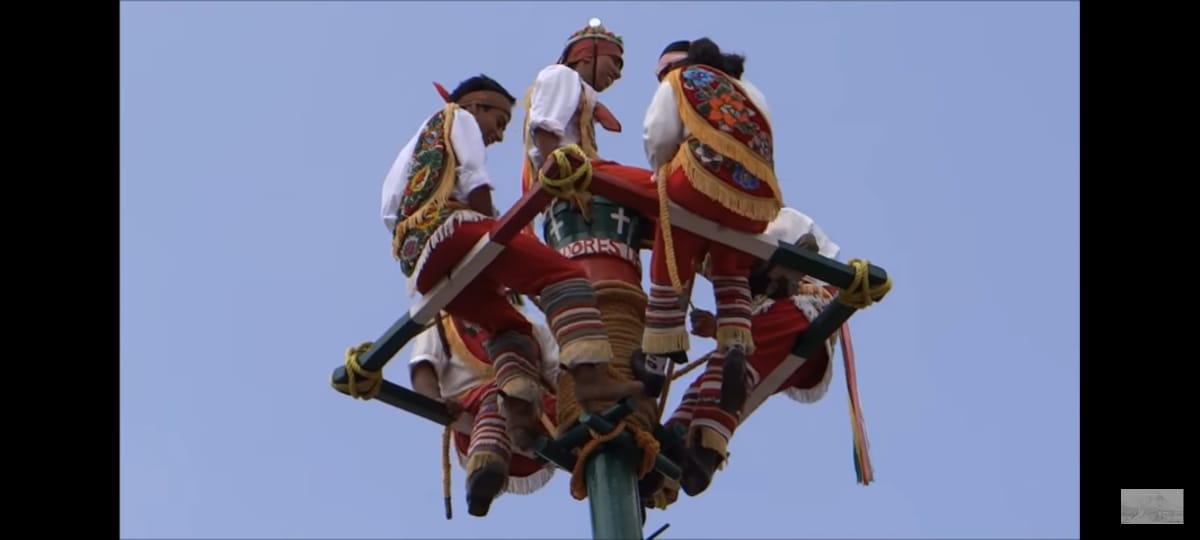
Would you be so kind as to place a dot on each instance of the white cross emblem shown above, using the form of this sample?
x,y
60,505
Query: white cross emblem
x,y
619,215
555,228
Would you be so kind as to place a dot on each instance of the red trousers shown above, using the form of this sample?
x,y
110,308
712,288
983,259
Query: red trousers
x,y
530,268
775,330
730,268
488,434
526,266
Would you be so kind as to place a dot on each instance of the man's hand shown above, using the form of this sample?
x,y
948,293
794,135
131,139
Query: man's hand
x,y
453,407
704,324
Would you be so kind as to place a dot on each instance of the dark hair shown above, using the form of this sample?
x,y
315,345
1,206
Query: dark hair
x,y
480,83
705,52
677,46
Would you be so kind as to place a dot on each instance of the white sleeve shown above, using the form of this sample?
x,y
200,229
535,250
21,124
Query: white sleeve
x,y
825,245
471,153
427,347
554,100
549,351
662,130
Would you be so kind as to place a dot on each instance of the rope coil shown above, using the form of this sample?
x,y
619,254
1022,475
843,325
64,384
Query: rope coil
x,y
860,294
645,441
574,183
446,434
360,383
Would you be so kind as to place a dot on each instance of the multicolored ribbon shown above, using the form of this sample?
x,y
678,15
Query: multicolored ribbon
x,y
862,460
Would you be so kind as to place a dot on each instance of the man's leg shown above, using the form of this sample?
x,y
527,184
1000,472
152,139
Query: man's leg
x,y
730,270
709,431
487,456
513,353
666,334
569,302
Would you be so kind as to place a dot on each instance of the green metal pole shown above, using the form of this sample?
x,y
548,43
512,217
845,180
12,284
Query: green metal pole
x,y
613,495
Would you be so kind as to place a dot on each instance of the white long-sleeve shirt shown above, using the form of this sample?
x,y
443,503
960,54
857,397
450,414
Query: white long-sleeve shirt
x,y
663,130
466,139
454,377
554,103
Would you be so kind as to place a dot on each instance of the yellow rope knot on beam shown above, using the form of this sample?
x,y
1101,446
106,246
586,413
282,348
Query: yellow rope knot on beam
x,y
860,294
574,182
360,383
645,441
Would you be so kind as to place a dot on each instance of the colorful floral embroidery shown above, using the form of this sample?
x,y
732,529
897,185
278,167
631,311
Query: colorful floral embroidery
x,y
427,166
723,105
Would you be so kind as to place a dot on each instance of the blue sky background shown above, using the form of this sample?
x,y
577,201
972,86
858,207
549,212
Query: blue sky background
x,y
938,139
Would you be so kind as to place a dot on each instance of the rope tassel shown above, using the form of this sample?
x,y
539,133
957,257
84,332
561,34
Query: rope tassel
x,y
863,472
446,471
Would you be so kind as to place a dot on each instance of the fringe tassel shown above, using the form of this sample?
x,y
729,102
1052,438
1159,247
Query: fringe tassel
x,y
814,394
528,484
590,351
523,388
519,485
730,198
444,231
862,459
481,458
713,440
446,434
721,142
587,124
729,336
445,183
665,341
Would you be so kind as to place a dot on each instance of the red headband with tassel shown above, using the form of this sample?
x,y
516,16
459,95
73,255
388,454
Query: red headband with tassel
x,y
441,90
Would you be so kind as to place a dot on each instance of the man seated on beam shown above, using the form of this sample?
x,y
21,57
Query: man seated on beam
x,y
784,305
450,363
437,202
562,105
709,140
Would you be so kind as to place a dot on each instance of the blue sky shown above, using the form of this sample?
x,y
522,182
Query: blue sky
x,y
937,139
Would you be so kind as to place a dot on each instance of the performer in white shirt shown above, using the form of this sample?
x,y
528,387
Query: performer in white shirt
x,y
708,138
437,203
450,363
783,307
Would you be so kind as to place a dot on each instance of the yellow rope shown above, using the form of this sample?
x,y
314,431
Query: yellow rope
x,y
575,182
664,225
690,367
860,294
360,383
666,391
644,440
446,433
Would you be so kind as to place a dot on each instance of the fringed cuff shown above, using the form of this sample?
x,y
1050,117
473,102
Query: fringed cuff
x,y
525,485
728,336
665,341
585,351
522,388
713,440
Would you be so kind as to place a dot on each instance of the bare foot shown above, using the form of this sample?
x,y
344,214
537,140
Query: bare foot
x,y
595,388
522,420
